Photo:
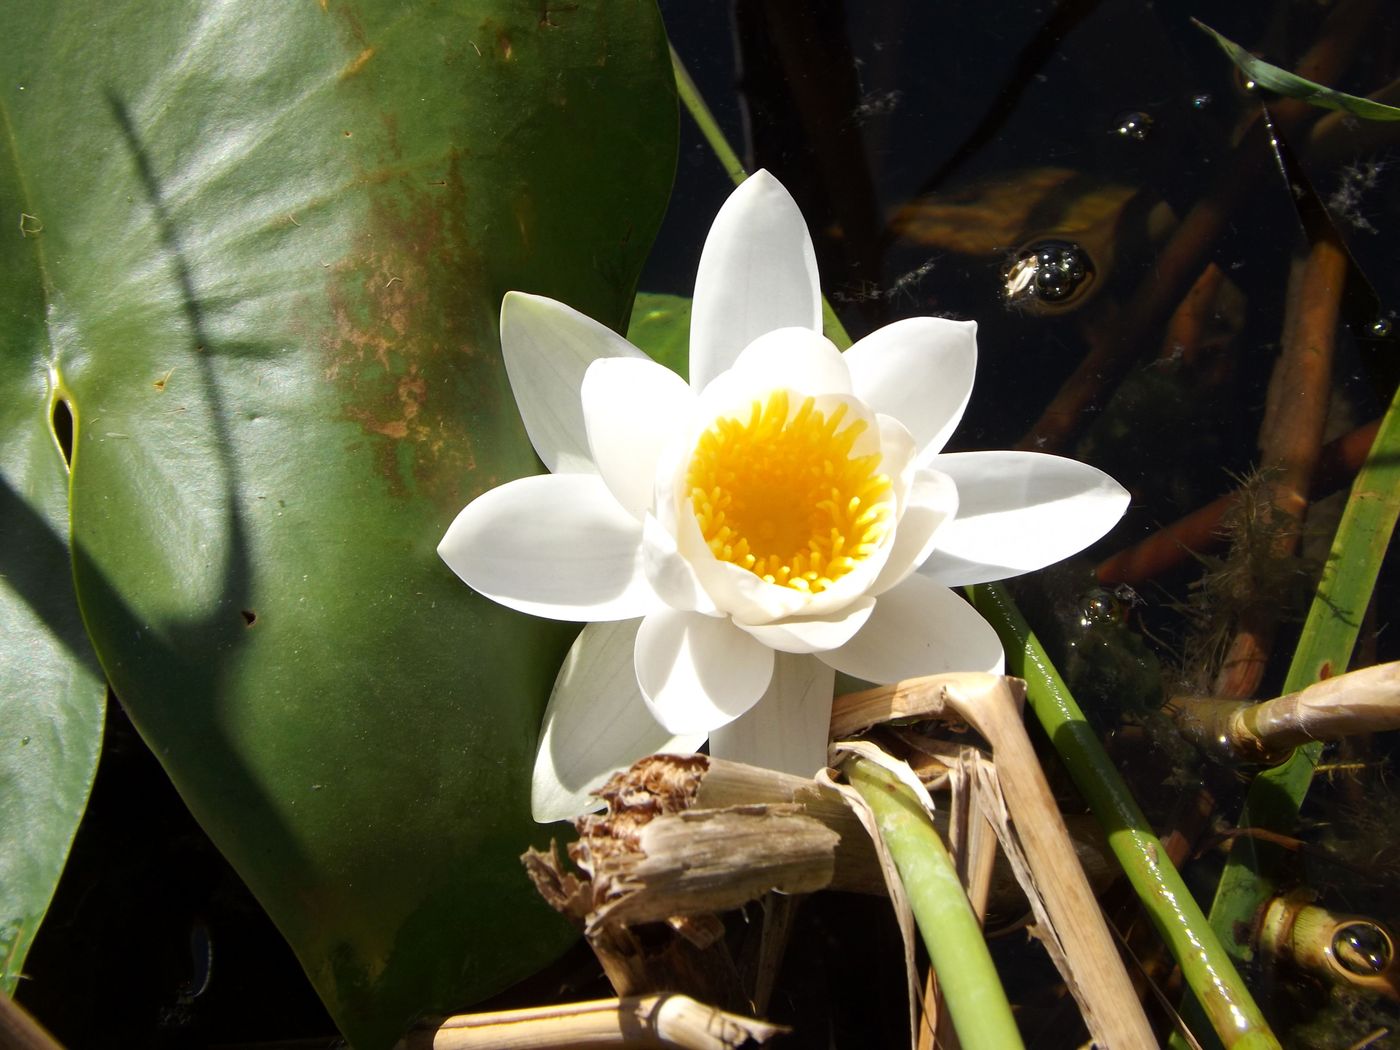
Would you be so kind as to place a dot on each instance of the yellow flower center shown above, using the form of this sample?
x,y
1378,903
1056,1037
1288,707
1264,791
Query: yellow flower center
x,y
780,493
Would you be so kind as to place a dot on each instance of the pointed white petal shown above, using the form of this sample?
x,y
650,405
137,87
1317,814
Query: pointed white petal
x,y
1019,511
555,545
787,729
931,504
758,272
919,628
698,672
794,359
630,409
547,348
920,371
596,724
811,635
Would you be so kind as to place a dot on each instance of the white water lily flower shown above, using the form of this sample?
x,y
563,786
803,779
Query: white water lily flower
x,y
735,540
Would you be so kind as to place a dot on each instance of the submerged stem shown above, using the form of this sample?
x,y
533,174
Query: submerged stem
x,y
695,105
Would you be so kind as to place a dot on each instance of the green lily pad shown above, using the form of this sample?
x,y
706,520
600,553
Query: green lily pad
x,y
52,694
660,326
274,244
1290,85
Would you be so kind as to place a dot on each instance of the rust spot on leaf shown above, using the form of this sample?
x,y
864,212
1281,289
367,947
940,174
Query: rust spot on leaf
x,y
357,63
411,343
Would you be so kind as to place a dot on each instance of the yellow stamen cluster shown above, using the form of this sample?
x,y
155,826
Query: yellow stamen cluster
x,y
780,493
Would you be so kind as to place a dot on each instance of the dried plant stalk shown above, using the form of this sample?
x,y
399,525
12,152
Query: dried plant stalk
x,y
992,705
666,1020
1365,701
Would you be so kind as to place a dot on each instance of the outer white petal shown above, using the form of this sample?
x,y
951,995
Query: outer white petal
x,y
920,371
698,672
547,347
919,628
812,635
555,545
787,729
758,272
630,409
1020,511
596,723
792,358
931,504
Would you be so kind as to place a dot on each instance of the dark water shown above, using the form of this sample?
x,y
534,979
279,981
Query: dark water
x,y
942,152
1030,169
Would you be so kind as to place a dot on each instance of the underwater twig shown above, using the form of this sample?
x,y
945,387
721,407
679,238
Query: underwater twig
x,y
1324,649
956,947
1184,255
1202,530
1189,321
1290,440
1206,967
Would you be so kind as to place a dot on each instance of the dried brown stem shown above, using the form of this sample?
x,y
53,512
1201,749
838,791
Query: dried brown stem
x,y
1365,701
662,1021
992,705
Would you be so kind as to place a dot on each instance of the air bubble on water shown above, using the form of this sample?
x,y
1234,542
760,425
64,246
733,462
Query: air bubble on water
x,y
1134,126
1049,272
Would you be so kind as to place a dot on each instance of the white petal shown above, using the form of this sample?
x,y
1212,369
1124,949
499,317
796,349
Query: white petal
x,y
920,371
596,723
555,545
931,504
758,272
698,672
792,358
671,576
1019,511
787,729
547,348
919,628
630,408
813,634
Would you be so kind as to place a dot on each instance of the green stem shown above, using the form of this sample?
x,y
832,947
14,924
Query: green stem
x,y
709,127
1324,649
956,948
1205,965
